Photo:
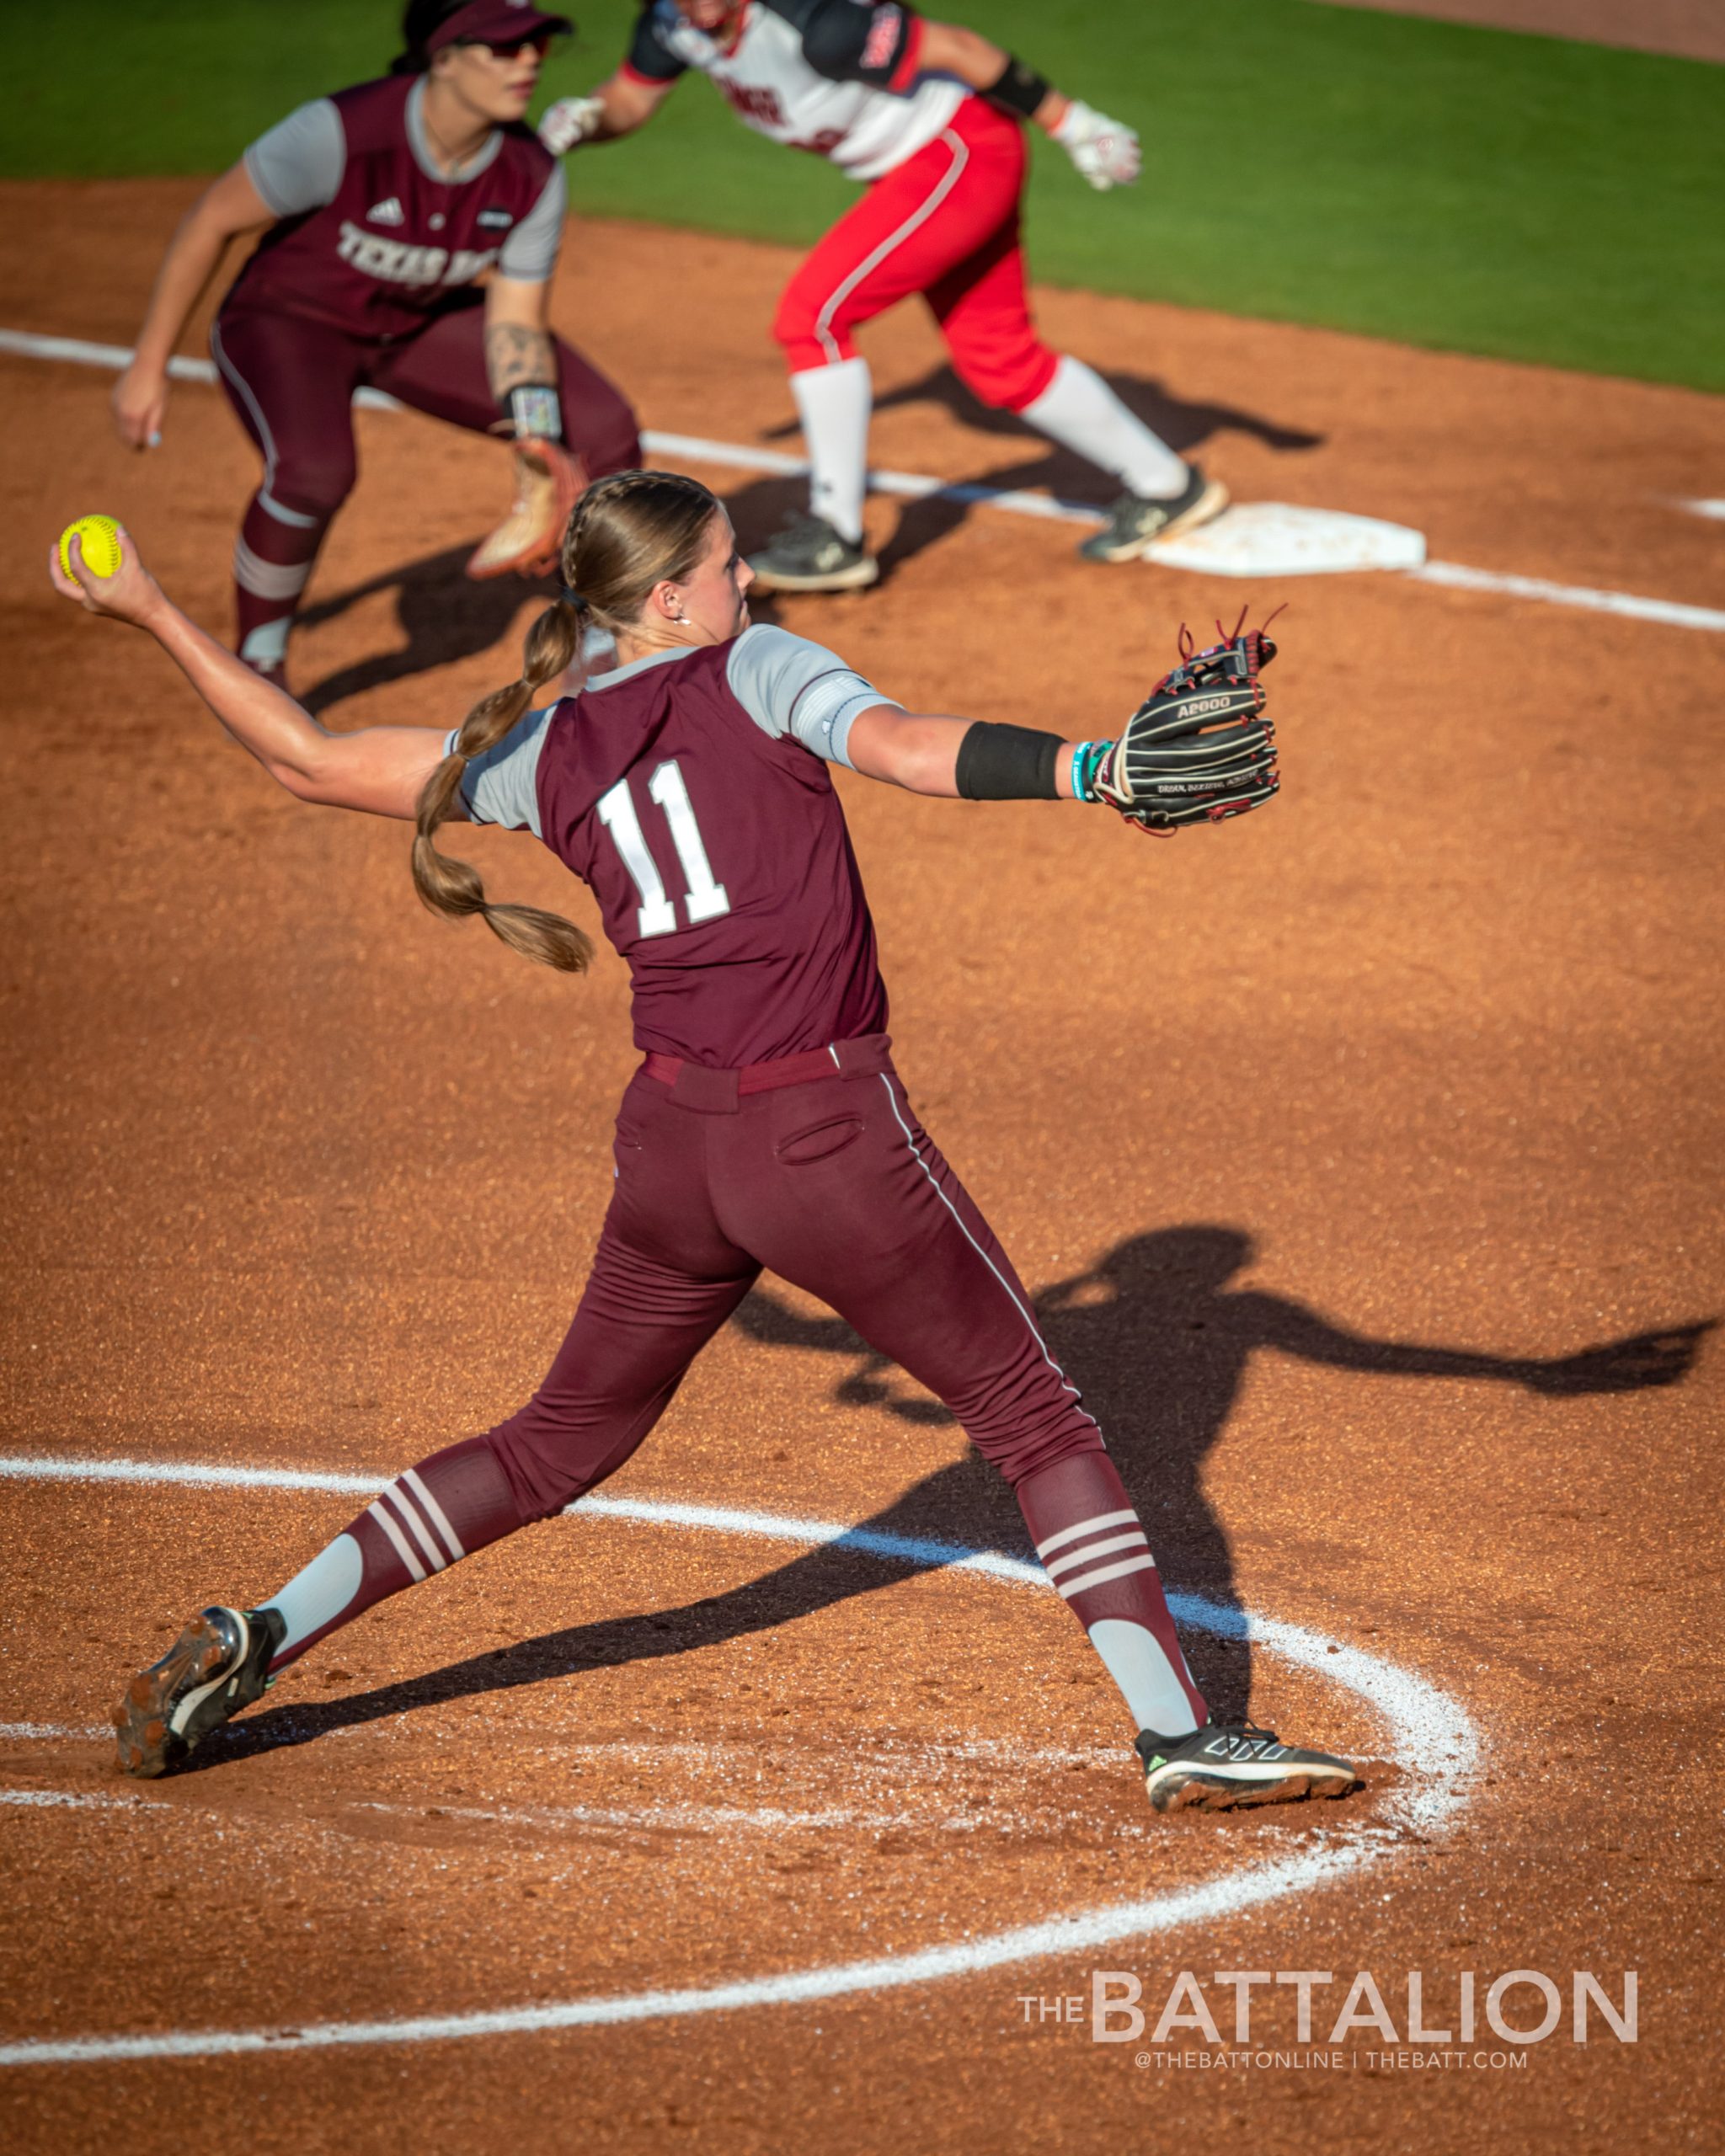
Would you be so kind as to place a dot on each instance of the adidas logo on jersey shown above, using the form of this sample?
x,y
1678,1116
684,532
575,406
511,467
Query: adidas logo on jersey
x,y
386,213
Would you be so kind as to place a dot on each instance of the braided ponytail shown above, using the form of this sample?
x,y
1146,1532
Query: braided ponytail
x,y
625,534
453,889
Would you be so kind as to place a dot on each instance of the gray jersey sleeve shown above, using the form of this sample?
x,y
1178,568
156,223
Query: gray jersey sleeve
x,y
529,254
297,166
502,786
788,686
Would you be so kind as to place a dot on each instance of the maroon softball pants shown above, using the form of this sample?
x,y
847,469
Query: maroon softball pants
x,y
835,1186
291,382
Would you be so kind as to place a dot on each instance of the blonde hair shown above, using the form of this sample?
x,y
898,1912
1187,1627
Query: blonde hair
x,y
628,533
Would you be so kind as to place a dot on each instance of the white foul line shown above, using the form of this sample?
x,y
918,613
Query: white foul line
x,y
743,456
1431,1738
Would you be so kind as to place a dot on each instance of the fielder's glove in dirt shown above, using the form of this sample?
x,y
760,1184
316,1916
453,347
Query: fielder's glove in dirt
x,y
548,483
1197,748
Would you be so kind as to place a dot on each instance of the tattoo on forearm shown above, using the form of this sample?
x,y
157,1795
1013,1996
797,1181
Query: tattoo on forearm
x,y
514,354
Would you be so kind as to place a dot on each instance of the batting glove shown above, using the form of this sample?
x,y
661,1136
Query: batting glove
x,y
570,120
1104,150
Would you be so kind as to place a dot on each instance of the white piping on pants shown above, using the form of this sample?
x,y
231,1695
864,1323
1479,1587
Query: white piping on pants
x,y
1030,1321
961,158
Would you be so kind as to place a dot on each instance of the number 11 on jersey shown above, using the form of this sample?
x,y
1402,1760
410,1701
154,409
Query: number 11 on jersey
x,y
704,899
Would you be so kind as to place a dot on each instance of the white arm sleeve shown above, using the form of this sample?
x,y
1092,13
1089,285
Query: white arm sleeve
x,y
502,786
529,254
788,686
297,166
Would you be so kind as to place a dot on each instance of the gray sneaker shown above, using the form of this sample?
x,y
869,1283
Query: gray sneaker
x,y
1218,1768
1137,521
811,556
219,1664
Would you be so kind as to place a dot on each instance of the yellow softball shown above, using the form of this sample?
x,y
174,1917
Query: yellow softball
x,y
98,540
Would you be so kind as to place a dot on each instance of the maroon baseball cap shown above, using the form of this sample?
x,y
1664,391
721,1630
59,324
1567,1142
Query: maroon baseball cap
x,y
496,22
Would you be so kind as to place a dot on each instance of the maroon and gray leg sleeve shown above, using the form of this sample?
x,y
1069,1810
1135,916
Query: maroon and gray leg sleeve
x,y
1093,1547
290,381
446,1508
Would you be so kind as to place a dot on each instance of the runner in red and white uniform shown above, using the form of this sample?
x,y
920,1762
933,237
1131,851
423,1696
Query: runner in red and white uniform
x,y
385,210
929,116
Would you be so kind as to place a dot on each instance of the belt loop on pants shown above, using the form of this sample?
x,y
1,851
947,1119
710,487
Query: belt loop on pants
x,y
716,1092
708,1092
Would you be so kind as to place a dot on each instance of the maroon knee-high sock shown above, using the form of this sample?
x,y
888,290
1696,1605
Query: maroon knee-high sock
x,y
1093,1547
272,563
446,1507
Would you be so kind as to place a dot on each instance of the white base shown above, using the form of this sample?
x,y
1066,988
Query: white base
x,y
1276,539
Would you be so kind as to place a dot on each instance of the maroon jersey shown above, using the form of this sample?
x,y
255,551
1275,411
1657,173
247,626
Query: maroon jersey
x,y
689,792
398,241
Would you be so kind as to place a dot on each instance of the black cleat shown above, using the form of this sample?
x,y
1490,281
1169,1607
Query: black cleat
x,y
1220,1766
219,1664
1137,521
811,556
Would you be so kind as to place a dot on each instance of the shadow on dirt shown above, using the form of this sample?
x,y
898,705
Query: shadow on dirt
x,y
759,508
444,616
1159,1342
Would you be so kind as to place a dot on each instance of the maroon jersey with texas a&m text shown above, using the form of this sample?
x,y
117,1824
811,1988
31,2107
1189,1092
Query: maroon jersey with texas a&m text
x,y
690,790
375,236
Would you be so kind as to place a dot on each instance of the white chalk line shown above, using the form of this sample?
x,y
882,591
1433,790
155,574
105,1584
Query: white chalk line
x,y
696,449
1431,1738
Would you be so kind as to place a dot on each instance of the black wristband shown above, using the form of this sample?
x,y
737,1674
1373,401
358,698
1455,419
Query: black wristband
x,y
533,408
1007,763
1020,89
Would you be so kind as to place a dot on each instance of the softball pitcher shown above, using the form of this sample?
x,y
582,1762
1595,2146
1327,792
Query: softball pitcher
x,y
929,116
384,210
766,1125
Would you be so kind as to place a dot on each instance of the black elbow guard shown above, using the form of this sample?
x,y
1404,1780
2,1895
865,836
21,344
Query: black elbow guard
x,y
1007,763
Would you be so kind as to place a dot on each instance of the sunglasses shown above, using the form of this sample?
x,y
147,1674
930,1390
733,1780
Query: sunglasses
x,y
540,43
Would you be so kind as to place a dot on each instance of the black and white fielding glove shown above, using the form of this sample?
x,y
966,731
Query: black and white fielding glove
x,y
1197,749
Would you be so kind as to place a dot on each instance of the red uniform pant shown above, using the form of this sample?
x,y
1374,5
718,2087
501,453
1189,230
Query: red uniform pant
x,y
837,1187
945,224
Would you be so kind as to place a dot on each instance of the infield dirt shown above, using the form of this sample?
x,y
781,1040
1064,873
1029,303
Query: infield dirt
x,y
1363,1156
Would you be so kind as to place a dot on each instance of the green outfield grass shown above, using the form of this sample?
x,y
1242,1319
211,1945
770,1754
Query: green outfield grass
x,y
1449,186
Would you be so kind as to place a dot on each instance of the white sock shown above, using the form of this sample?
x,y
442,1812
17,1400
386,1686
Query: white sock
x,y
267,644
835,405
1134,1658
317,1595
1082,414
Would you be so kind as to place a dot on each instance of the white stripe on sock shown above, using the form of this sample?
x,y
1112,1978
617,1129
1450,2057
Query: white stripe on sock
x,y
1085,1526
1069,1588
435,1512
410,1518
1136,1539
397,1538
295,518
268,579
